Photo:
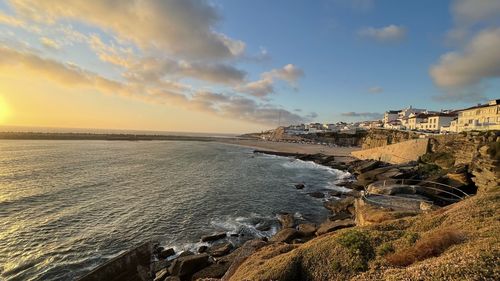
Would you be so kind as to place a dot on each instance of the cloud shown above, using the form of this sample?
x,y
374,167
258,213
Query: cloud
x,y
476,62
265,86
375,89
174,94
370,115
466,12
390,33
180,27
49,43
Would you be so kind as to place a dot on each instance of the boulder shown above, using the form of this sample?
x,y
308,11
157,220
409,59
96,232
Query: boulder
x,y
286,220
220,249
341,216
161,275
216,270
159,265
172,278
165,253
316,194
213,237
202,249
366,166
329,226
306,229
300,186
188,265
339,205
379,188
285,235
185,254
240,254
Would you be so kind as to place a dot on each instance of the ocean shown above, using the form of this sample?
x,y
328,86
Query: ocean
x,y
68,206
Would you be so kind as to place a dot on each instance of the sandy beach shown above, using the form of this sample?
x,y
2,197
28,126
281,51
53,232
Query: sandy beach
x,y
343,153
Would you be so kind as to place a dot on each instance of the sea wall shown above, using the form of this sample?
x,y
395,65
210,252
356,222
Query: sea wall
x,y
382,137
402,152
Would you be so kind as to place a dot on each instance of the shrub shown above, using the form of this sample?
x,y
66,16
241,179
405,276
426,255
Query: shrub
x,y
359,245
430,246
385,249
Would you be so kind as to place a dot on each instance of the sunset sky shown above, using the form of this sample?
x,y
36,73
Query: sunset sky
x,y
236,66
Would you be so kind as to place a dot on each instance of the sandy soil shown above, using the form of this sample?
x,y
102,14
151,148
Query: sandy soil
x,y
343,153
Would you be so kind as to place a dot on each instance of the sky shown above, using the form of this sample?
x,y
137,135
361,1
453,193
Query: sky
x,y
233,66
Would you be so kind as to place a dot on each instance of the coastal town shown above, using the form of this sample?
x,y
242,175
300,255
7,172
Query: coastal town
x,y
481,117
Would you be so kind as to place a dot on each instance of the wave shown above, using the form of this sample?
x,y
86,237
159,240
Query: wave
x,y
300,164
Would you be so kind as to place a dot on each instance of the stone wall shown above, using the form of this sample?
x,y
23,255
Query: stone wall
x,y
383,137
402,152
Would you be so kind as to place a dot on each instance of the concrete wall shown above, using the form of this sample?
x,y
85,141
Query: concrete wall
x,y
397,153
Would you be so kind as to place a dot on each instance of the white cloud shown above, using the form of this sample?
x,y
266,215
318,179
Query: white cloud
x,y
388,33
49,43
472,11
181,27
375,89
479,60
265,86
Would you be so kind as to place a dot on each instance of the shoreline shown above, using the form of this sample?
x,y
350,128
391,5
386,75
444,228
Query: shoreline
x,y
341,153
219,248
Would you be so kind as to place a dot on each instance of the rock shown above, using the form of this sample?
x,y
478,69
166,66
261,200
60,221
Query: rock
x,y
285,235
380,188
159,265
306,229
424,206
220,249
157,249
186,266
300,186
286,220
366,166
216,270
330,226
161,275
335,193
202,249
298,241
234,235
339,205
172,278
166,253
341,216
240,254
185,254
213,237
316,194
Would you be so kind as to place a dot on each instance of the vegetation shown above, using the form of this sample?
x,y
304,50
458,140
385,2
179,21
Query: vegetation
x,y
442,159
430,246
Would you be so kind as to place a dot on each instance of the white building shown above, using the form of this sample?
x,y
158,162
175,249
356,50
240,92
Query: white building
x,y
440,120
391,115
415,121
480,118
408,111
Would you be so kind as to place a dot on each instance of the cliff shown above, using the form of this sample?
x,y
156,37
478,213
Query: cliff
x,y
458,242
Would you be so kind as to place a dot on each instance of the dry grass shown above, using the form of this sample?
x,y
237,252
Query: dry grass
x,y
430,246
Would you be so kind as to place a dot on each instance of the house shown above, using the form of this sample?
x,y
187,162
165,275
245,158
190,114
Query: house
x,y
331,127
405,113
394,124
452,128
417,121
480,118
439,120
391,115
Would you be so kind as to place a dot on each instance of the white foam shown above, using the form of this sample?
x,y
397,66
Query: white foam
x,y
299,164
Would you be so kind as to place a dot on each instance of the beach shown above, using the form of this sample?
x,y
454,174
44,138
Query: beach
x,y
343,154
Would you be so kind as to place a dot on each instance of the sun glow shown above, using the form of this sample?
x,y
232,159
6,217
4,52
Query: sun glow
x,y
4,110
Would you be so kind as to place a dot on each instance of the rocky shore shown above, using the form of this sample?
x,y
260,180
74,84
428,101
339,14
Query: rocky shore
x,y
376,193
365,201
